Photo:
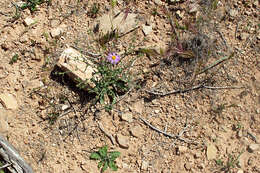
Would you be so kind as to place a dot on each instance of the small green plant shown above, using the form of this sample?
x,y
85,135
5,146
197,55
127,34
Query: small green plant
x,y
219,162
94,10
106,159
231,163
14,59
52,117
154,12
113,80
32,4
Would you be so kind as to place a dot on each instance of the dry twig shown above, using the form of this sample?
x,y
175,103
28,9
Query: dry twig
x,y
179,136
192,88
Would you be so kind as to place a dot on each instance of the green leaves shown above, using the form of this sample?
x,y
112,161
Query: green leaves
x,y
113,81
95,156
32,4
103,152
114,155
107,159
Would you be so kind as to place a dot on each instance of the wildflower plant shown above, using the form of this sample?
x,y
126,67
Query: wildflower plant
x,y
113,80
107,159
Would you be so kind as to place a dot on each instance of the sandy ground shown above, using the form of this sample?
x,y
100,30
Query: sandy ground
x,y
214,128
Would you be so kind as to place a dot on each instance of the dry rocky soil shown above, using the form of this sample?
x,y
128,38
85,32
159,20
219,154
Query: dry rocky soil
x,y
194,105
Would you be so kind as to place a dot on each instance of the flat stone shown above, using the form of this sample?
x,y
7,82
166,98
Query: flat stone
x,y
137,131
147,29
79,68
187,166
29,21
8,101
145,165
253,147
122,141
211,152
55,23
127,117
243,36
194,7
65,107
240,171
182,149
138,106
233,13
107,24
3,122
33,84
158,2
56,32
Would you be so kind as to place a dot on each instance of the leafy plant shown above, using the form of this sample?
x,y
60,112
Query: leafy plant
x,y
231,163
32,4
52,117
113,80
94,10
107,159
14,59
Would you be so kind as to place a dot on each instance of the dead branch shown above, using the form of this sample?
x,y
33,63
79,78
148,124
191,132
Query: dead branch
x,y
174,91
179,136
11,156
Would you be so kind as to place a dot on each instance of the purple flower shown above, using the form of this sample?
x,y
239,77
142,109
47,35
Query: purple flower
x,y
113,58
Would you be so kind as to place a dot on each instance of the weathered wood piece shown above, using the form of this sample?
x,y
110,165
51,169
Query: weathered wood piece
x,y
11,156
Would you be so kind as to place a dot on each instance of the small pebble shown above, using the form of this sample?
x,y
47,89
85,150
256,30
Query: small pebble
x,y
253,147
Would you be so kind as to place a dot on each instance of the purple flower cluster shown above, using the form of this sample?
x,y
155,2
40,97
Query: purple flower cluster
x,y
113,58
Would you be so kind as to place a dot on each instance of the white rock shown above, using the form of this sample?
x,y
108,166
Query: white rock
x,y
122,141
123,25
77,66
156,111
138,106
137,131
240,171
127,117
145,165
233,13
253,147
147,29
29,21
8,101
211,152
65,107
194,7
158,2
56,32
182,149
